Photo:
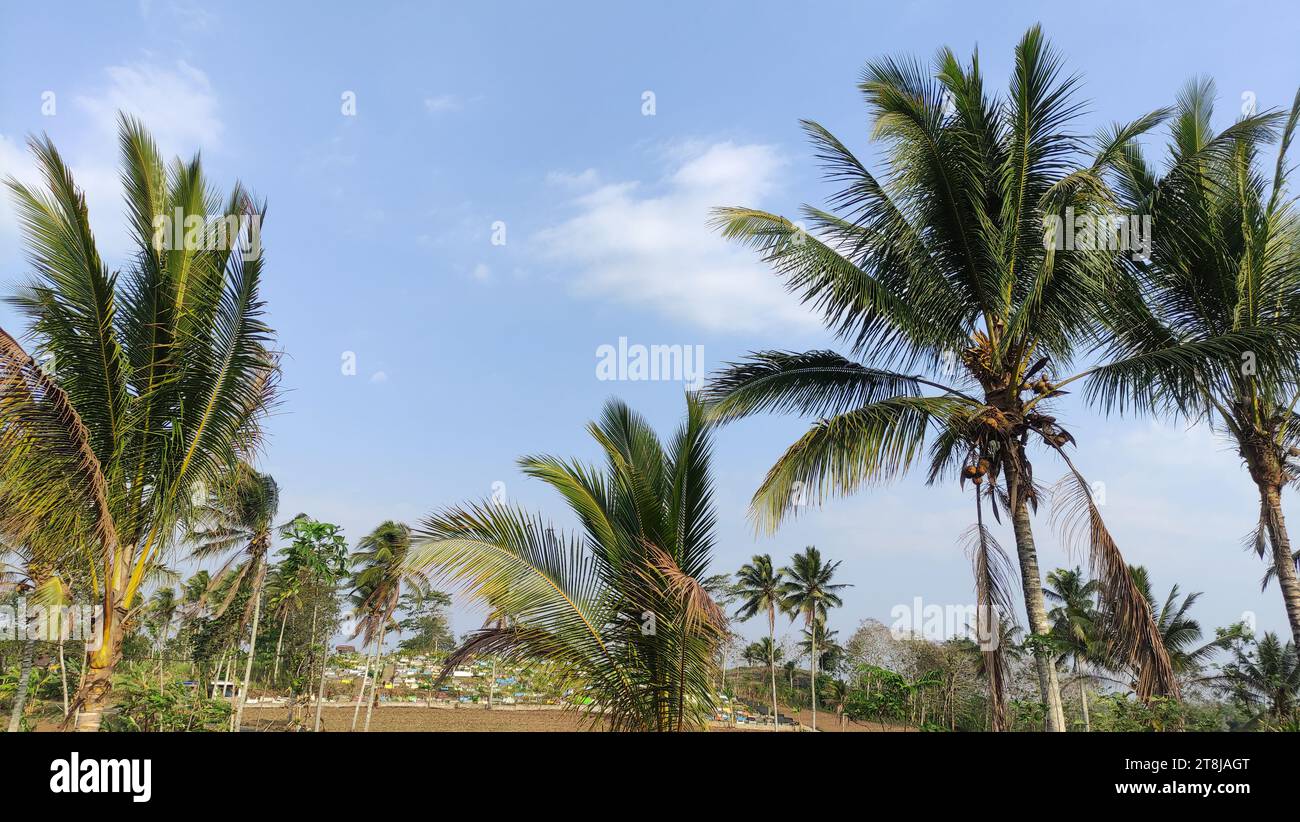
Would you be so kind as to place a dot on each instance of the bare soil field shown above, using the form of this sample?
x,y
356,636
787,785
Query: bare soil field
x,y
419,718
828,722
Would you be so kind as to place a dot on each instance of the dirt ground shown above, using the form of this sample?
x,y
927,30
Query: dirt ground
x,y
425,719
828,722
388,718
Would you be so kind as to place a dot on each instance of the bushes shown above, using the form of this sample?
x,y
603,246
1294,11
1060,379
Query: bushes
x,y
177,707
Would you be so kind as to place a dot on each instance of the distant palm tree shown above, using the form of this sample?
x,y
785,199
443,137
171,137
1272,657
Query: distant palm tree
x,y
809,592
939,280
163,606
379,574
1267,678
235,521
758,586
1180,633
621,612
1076,624
828,650
146,383
1223,276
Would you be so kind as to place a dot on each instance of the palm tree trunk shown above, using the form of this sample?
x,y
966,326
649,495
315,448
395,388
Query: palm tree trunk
x,y
24,677
1083,699
374,682
1283,561
812,638
279,644
63,672
365,679
771,664
97,672
1035,607
258,582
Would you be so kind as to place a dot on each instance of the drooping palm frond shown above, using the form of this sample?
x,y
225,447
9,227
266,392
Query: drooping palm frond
x,y
1131,627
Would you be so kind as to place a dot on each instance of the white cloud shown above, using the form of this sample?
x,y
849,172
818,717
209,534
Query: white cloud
x,y
656,249
175,103
379,377
442,103
482,272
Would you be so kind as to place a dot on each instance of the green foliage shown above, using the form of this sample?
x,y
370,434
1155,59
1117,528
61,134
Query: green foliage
x,y
621,609
141,706
1120,712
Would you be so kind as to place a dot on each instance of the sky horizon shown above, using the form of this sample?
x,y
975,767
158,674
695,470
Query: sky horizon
x,y
476,205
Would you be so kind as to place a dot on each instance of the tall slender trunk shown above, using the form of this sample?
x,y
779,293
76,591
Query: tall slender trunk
x,y
63,672
492,685
162,651
374,682
279,644
1083,698
24,677
812,639
365,680
258,580
1283,561
771,663
1032,584
324,659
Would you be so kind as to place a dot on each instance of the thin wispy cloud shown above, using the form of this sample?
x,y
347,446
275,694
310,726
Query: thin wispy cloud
x,y
176,101
650,243
443,103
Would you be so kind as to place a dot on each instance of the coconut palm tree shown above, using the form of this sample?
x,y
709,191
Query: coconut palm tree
x,y
163,606
1076,625
938,278
1267,678
139,386
829,652
379,574
235,522
44,576
808,592
1224,265
619,610
758,586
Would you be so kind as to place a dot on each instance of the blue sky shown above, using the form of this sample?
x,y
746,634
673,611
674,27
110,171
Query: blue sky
x,y
469,354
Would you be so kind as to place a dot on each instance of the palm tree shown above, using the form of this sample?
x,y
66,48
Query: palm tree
x,y
379,574
1267,678
45,576
808,591
235,521
1224,272
163,606
621,610
829,652
145,384
1076,624
939,279
758,586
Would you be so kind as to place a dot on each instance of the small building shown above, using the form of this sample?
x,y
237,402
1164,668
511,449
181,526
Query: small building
x,y
346,649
